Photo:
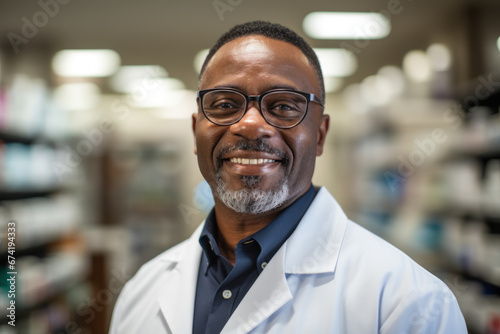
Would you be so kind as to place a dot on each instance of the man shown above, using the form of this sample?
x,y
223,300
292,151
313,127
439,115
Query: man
x,y
275,255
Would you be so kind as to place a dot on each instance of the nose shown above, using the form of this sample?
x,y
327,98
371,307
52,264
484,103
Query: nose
x,y
253,125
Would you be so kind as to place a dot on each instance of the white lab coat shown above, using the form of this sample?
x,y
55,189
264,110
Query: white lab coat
x,y
330,276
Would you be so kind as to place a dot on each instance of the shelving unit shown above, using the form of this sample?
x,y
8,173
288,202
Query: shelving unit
x,y
439,203
51,262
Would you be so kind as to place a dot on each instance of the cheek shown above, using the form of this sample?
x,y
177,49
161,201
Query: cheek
x,y
207,137
303,145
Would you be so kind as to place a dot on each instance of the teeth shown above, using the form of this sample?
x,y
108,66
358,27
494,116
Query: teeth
x,y
244,161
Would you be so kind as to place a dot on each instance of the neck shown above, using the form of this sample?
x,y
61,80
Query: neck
x,y
234,226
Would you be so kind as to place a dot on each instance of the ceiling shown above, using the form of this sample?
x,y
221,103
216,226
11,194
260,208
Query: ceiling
x,y
171,32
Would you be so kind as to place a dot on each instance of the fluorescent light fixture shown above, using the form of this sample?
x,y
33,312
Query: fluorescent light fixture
x,y
128,78
77,96
439,57
417,67
85,63
395,77
337,62
171,84
183,108
166,93
498,43
333,84
346,25
376,90
354,100
199,59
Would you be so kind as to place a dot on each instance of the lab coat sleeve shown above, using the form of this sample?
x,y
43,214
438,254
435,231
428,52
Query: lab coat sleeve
x,y
117,312
430,308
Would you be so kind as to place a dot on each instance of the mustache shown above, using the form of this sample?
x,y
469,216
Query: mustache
x,y
257,146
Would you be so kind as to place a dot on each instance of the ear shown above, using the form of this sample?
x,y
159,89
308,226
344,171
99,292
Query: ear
x,y
322,131
194,118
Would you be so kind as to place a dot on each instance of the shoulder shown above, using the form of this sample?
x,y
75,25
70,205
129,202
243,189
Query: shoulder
x,y
408,295
161,262
381,259
137,305
151,275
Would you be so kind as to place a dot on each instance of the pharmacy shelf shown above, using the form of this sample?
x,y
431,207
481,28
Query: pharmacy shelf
x,y
491,151
15,138
9,137
491,284
9,195
40,248
62,289
35,250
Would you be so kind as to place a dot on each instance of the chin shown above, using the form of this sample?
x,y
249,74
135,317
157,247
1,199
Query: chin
x,y
252,198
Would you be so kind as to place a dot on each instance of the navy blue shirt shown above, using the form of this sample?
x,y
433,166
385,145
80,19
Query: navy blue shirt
x,y
221,287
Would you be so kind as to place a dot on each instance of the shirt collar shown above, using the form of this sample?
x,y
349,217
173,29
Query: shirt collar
x,y
270,238
207,238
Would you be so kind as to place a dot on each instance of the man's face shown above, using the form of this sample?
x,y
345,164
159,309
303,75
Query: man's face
x,y
255,65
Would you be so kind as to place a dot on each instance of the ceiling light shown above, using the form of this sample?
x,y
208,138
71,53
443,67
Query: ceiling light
x,y
199,59
395,77
183,108
85,63
333,84
337,62
417,66
354,100
439,57
77,96
376,90
346,25
166,93
498,43
128,77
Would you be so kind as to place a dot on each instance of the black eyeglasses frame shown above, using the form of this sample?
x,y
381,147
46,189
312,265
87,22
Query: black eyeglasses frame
x,y
309,98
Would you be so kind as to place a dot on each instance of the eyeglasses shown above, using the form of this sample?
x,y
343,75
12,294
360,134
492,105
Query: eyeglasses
x,y
283,109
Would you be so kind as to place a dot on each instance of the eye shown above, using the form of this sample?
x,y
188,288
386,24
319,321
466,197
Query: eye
x,y
284,107
224,105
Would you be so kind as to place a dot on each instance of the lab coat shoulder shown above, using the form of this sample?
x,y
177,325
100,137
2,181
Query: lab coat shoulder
x,y
139,305
342,278
410,299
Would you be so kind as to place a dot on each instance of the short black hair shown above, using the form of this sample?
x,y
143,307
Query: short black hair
x,y
274,31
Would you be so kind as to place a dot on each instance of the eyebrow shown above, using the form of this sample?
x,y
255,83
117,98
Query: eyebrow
x,y
287,87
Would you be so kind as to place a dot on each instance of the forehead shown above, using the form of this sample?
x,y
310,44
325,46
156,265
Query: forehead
x,y
258,63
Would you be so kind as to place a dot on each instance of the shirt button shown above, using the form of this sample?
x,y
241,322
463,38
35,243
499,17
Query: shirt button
x,y
211,246
227,294
263,265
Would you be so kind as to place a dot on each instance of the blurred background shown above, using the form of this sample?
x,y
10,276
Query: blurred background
x,y
98,175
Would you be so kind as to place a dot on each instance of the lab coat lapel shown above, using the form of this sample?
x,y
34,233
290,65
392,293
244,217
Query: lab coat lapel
x,y
269,292
313,248
177,296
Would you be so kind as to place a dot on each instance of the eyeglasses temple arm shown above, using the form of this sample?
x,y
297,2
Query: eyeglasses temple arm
x,y
316,99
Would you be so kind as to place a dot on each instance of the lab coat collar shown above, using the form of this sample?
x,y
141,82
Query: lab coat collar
x,y
313,248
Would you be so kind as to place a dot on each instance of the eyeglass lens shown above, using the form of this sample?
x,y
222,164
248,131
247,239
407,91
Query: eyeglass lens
x,y
282,109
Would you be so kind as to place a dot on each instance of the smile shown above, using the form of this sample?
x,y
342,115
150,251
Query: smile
x,y
244,161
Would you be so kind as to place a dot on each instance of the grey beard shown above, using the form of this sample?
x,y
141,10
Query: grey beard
x,y
251,200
